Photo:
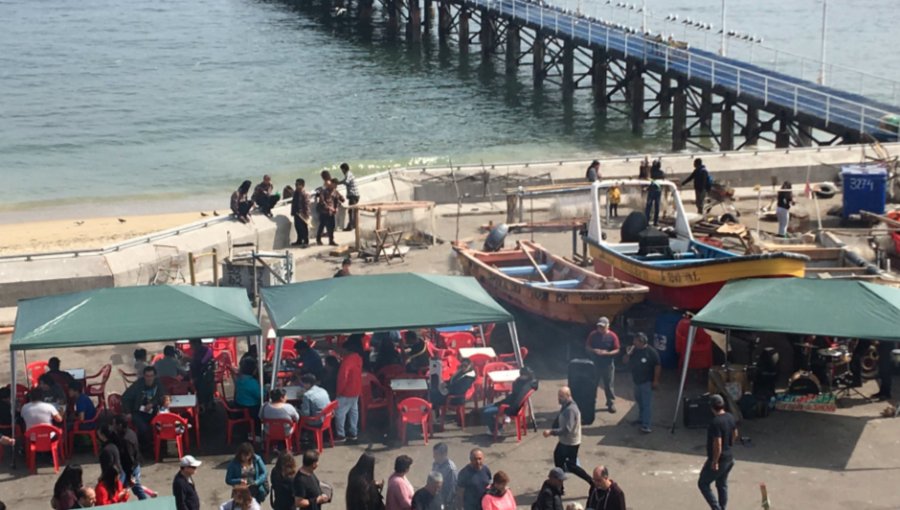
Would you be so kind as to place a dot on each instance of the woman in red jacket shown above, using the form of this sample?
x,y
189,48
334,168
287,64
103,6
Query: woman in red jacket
x,y
349,387
109,488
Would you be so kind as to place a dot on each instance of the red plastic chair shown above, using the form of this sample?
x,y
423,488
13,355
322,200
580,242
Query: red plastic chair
x,y
98,388
235,416
287,348
279,431
42,438
510,357
79,430
374,396
127,377
413,411
225,344
458,339
169,427
493,390
521,418
114,403
459,409
35,370
224,366
327,418
478,363
157,358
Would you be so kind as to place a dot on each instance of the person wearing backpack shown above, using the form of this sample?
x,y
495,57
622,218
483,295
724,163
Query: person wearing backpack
x,y
702,183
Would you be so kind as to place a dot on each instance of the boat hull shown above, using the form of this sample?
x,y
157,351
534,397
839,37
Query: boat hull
x,y
691,286
581,307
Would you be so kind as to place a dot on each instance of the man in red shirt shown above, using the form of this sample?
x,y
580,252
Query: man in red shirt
x,y
349,387
603,346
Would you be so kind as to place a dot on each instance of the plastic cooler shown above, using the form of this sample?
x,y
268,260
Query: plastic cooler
x,y
865,189
664,338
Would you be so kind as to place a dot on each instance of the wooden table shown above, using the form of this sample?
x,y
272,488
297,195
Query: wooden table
x,y
503,376
188,403
400,385
294,392
468,352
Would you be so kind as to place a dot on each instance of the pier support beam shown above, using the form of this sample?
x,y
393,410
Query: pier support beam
x,y
463,30
486,34
726,136
393,22
804,135
537,55
445,20
599,69
414,24
429,15
706,108
679,117
513,47
752,126
568,69
364,11
636,85
665,95
783,136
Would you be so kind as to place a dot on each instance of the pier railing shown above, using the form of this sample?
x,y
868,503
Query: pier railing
x,y
829,106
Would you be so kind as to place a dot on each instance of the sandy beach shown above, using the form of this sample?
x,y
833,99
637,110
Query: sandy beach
x,y
78,234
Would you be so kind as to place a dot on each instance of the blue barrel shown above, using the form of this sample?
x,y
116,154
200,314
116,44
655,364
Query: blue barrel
x,y
664,338
865,189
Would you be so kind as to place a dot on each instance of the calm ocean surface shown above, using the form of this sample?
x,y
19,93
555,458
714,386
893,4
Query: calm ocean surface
x,y
128,102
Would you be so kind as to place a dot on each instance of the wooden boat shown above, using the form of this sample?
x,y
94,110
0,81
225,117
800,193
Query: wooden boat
x,y
686,274
531,278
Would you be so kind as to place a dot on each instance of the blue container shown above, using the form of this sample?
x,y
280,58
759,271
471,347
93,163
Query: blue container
x,y
865,189
664,338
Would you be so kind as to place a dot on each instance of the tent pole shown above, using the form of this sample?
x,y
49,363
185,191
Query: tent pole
x,y
692,332
261,352
276,360
514,336
481,334
12,408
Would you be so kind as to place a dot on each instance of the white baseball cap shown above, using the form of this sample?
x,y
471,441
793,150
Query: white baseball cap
x,y
190,461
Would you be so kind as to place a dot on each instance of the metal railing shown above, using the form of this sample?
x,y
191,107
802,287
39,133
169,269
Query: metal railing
x,y
795,95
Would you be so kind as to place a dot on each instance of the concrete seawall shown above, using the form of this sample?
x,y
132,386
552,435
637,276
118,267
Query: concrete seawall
x,y
135,262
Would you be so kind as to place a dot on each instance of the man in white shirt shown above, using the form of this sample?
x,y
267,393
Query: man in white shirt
x,y
37,412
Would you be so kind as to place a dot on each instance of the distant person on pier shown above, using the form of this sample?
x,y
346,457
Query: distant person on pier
x,y
263,196
300,213
783,208
654,195
328,202
656,171
352,195
614,196
702,183
593,172
644,171
240,203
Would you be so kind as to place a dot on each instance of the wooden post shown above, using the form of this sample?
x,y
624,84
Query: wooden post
x,y
463,28
679,118
364,11
513,47
486,34
378,219
191,268
568,67
665,95
637,100
752,125
783,136
444,21
356,230
512,201
727,128
393,23
599,67
537,54
706,108
429,15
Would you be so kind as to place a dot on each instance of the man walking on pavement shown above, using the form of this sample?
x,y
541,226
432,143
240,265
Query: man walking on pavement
x,y
643,361
605,494
567,427
720,437
603,345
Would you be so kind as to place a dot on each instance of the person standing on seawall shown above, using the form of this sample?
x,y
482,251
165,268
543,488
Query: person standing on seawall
x,y
593,172
352,195
700,176
300,213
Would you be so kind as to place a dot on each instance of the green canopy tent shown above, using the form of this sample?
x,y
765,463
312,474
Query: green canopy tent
x,y
805,306
384,302
128,315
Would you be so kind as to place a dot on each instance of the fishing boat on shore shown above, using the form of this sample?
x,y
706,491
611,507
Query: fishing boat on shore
x,y
680,271
531,278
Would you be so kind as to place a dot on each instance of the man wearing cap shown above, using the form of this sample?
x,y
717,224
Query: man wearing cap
x,y
643,361
603,346
183,487
720,437
567,427
550,497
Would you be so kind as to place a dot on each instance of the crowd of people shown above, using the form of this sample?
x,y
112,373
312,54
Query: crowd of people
x,y
324,201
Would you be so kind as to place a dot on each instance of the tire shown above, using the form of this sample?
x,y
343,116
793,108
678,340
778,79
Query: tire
x,y
825,190
728,218
635,223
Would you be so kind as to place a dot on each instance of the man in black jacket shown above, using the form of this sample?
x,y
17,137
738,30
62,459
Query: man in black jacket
x,y
550,497
141,401
130,456
605,494
700,176
183,487
301,214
